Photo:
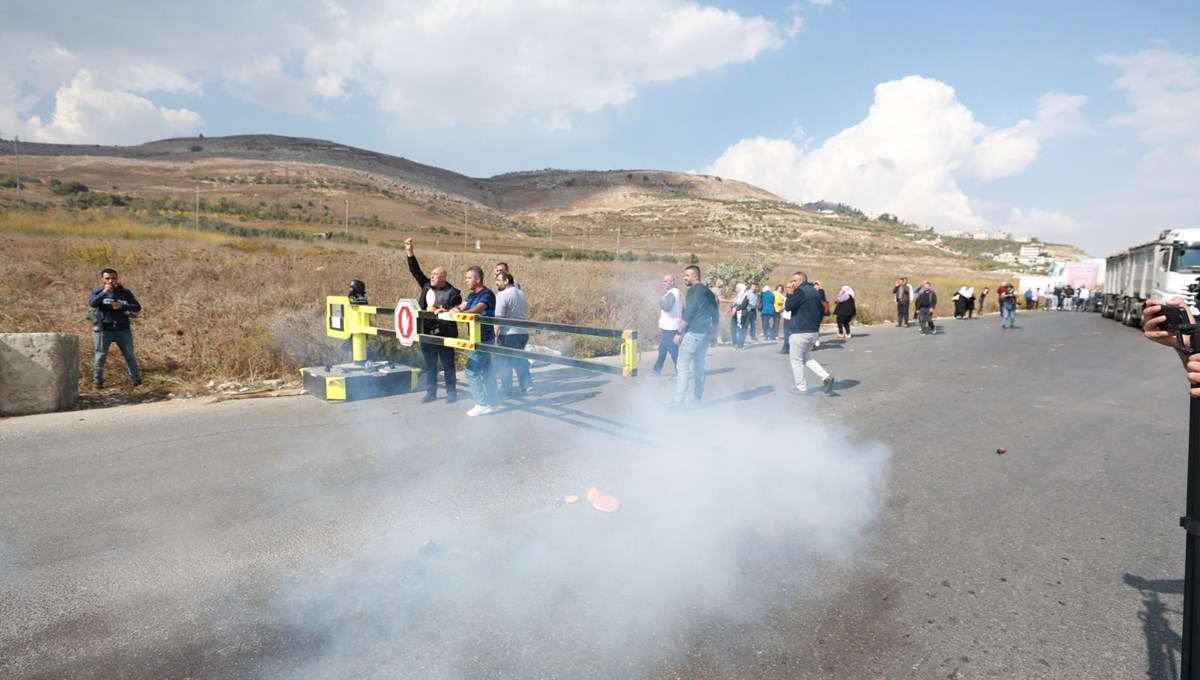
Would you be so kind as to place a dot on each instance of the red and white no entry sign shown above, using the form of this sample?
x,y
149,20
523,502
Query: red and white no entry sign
x,y
406,322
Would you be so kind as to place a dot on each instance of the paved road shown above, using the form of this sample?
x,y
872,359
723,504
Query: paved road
x,y
874,533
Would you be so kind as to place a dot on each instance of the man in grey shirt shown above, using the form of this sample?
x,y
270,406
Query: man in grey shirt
x,y
512,304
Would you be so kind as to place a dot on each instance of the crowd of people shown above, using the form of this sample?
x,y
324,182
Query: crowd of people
x,y
689,324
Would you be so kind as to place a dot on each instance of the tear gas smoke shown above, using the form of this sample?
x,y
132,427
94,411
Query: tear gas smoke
x,y
726,511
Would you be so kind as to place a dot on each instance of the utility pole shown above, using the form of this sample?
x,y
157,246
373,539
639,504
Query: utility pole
x,y
346,225
618,239
197,207
673,232
465,229
17,154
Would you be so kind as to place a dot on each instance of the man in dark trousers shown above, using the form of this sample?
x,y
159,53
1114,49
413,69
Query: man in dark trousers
x,y
437,295
926,304
112,305
903,293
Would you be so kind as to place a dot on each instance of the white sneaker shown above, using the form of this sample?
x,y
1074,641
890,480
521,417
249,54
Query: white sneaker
x,y
480,410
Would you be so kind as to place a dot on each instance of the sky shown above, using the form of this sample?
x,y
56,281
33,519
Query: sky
x,y
1075,121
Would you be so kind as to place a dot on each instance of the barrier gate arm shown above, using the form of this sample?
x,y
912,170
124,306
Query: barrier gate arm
x,y
348,321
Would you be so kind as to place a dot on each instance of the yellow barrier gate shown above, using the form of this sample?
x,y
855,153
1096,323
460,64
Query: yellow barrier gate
x,y
363,379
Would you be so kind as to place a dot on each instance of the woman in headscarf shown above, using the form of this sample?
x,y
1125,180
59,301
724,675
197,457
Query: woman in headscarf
x,y
844,310
740,317
960,302
971,302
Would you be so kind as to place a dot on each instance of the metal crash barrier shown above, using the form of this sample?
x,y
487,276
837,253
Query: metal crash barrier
x,y
363,379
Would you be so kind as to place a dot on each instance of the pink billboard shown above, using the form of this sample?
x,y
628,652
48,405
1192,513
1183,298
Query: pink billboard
x,y
1082,274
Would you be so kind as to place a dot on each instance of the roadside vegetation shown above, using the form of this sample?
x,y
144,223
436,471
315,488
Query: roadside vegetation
x,y
246,307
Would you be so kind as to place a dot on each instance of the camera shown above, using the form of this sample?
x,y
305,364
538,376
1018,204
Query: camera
x,y
109,301
1177,317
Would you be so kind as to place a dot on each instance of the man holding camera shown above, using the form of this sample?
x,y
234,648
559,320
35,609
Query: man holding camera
x,y
1159,323
112,305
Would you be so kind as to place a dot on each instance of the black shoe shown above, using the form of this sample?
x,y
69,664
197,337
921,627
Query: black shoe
x,y
827,384
137,383
98,385
451,398
428,398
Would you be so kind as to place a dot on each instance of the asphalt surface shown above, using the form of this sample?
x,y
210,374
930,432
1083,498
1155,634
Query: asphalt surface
x,y
871,533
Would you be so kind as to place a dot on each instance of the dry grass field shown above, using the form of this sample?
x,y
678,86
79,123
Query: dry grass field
x,y
221,307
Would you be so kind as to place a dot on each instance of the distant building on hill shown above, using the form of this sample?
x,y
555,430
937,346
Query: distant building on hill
x,y
1001,235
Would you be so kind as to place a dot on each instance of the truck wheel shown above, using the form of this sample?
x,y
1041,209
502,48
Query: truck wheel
x,y
1134,316
1119,314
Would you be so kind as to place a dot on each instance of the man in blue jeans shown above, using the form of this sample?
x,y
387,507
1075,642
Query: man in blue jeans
x,y
700,317
670,312
481,373
113,304
1008,305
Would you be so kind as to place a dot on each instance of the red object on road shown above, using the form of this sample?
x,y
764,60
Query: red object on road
x,y
605,503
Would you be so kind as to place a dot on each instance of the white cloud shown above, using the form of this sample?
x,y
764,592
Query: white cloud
x,y
428,61
1163,89
84,113
906,157
1049,226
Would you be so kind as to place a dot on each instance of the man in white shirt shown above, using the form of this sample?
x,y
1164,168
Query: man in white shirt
x,y
670,308
512,304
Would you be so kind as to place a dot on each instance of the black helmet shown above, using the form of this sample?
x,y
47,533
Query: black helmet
x,y
357,286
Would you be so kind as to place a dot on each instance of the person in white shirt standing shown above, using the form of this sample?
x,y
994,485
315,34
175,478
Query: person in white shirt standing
x,y
670,312
512,304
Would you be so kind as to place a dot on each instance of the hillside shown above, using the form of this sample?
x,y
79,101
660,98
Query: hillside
x,y
308,186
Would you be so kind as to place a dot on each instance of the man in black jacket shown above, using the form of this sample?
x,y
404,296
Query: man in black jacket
x,y
113,304
926,304
437,295
803,328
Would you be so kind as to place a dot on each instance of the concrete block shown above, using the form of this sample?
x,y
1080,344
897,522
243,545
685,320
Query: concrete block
x,y
39,372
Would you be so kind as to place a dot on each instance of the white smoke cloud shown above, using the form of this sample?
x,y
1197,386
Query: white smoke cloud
x,y
712,527
907,156
538,61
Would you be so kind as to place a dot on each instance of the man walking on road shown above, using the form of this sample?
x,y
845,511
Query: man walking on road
x,y
437,295
670,313
926,304
903,293
1008,305
700,317
803,329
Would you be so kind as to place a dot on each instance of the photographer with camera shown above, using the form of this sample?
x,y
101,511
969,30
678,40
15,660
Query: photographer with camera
x,y
112,306
1160,322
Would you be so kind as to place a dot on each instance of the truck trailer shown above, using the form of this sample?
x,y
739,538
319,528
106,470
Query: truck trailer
x,y
1163,268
